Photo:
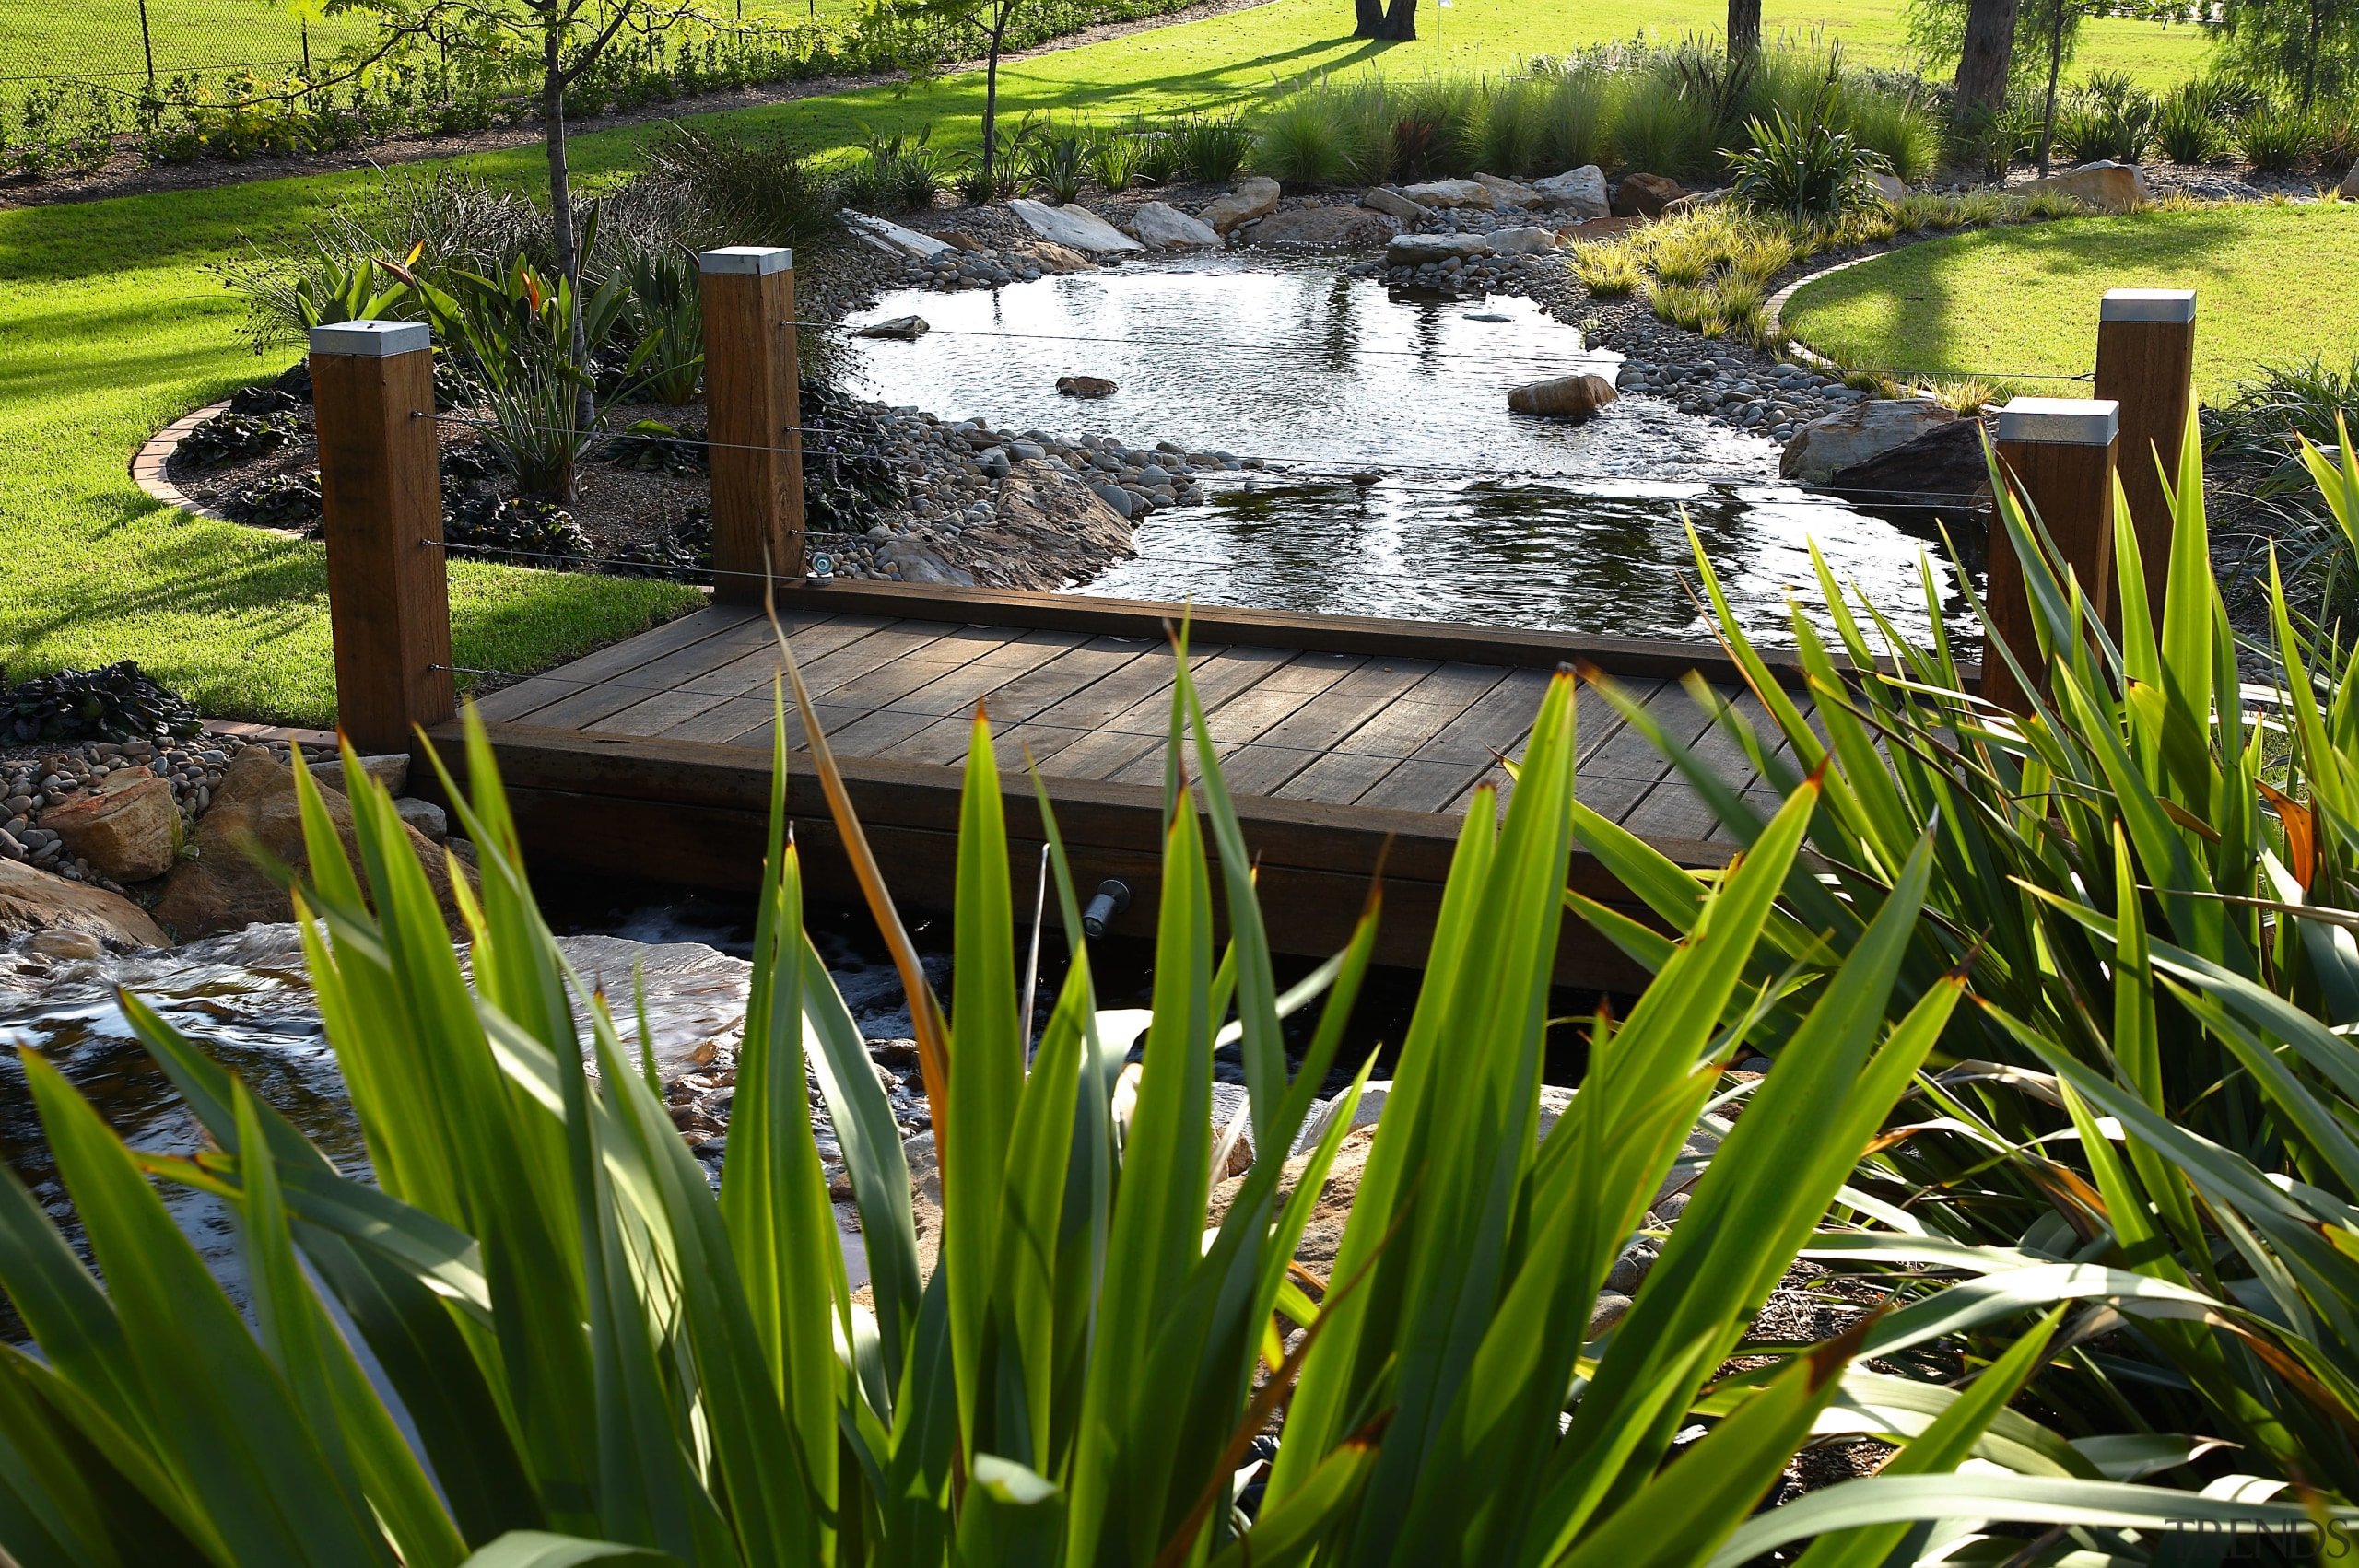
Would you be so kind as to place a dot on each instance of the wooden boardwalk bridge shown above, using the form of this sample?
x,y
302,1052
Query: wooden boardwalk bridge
x,y
651,757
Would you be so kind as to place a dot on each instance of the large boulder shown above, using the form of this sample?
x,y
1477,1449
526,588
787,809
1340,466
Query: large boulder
x,y
1695,201
2350,184
1392,204
883,234
1085,386
1507,195
1892,188
35,903
1326,228
129,830
1566,397
1417,250
1851,435
1074,226
224,889
1255,196
2102,187
1942,472
1165,228
1522,241
1051,257
1046,531
1645,195
1580,192
1451,193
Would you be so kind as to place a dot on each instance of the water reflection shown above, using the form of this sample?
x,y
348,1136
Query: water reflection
x,y
1481,515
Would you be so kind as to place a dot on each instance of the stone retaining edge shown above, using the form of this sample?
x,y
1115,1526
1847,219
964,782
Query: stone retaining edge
x,y
1773,313
148,472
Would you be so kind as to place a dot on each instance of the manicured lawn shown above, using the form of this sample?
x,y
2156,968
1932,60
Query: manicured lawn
x,y
110,327
2273,283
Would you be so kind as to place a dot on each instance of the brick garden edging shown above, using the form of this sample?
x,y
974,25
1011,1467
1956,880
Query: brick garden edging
x,y
148,470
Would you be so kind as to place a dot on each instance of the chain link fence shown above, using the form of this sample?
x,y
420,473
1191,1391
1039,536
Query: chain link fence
x,y
125,44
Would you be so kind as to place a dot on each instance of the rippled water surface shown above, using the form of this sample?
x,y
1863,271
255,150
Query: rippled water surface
x,y
1479,515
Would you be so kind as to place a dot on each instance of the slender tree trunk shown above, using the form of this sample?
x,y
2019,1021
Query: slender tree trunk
x,y
1368,19
1400,22
1744,28
2055,67
569,264
1982,65
990,103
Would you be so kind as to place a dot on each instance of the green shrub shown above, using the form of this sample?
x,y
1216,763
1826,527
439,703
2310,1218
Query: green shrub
x,y
752,189
1308,137
1511,132
1157,155
1057,163
1212,147
1661,132
1608,270
1114,159
1904,129
2191,123
2276,138
1576,114
1808,172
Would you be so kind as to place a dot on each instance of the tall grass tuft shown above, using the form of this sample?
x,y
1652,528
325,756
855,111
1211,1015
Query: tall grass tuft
x,y
1311,136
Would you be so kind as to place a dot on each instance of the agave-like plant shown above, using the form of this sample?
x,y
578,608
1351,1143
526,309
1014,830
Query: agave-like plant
x,y
540,1337
2149,887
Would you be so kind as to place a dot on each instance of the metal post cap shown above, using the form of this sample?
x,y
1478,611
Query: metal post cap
x,y
2168,304
373,340
749,261
2061,421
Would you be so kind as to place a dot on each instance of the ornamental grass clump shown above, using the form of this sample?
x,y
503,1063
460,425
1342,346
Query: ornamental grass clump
x,y
2147,886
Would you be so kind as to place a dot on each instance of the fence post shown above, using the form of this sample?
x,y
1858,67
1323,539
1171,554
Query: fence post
x,y
2057,454
752,411
380,492
2146,362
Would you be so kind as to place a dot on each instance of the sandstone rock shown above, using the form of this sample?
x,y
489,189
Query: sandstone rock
x,y
1392,204
1417,250
962,240
2102,187
390,769
1853,435
1522,241
1051,257
1074,226
1645,195
1451,193
1695,201
1511,193
1346,228
428,818
1085,386
883,234
66,944
1942,472
2350,191
1165,227
127,831
1047,533
904,329
223,889
1566,397
1581,191
1892,188
1255,196
1599,228
1609,1310
33,901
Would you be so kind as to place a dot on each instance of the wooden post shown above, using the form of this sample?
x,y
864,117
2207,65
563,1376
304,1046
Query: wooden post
x,y
2057,454
2146,362
380,491
753,410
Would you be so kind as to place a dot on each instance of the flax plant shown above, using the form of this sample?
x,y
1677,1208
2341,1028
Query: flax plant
x,y
578,1352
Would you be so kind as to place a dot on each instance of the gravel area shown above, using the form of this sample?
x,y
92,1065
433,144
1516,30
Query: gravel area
x,y
34,779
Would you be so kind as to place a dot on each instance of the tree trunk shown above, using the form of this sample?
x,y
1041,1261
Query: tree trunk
x,y
1368,19
2310,55
1400,23
568,265
2055,67
990,103
1982,65
1744,28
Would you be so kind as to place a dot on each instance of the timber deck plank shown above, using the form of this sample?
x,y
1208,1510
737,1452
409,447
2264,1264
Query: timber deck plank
x,y
1336,736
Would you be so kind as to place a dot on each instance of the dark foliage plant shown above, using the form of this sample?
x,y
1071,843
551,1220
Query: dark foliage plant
x,y
231,437
283,500
847,478
116,703
515,530
1807,172
651,446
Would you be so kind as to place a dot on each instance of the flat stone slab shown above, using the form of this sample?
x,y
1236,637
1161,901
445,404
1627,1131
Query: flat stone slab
x,y
1077,227
1417,250
891,237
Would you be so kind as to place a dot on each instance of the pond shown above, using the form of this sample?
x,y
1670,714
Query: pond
x,y
1473,513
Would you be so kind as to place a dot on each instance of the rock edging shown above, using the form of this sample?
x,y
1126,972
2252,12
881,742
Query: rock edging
x,y
148,464
1773,313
